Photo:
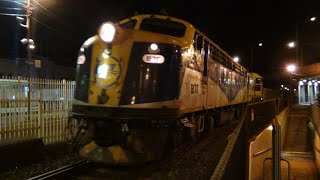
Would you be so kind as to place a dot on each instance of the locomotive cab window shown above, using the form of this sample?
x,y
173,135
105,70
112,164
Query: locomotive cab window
x,y
258,81
198,42
163,26
197,61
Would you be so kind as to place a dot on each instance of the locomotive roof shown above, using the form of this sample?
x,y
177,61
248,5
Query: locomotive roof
x,y
256,75
189,32
142,16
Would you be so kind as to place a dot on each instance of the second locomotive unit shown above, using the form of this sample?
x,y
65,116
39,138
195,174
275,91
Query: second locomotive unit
x,y
149,83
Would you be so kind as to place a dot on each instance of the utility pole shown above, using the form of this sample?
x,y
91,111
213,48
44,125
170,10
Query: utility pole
x,y
29,35
251,56
298,43
251,60
29,53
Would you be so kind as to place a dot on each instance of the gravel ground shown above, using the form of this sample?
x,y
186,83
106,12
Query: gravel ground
x,y
198,161
54,159
192,161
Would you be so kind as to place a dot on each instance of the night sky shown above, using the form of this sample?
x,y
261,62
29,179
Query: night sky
x,y
59,27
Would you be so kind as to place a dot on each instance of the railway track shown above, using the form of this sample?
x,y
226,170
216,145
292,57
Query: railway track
x,y
60,171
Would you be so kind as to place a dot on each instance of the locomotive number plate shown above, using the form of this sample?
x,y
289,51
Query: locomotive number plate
x,y
153,58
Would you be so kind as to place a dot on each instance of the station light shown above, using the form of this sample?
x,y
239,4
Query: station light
x,y
32,46
291,44
24,40
236,59
313,18
291,68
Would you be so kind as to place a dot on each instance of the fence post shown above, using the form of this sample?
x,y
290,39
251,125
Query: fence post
x,y
276,145
65,107
40,124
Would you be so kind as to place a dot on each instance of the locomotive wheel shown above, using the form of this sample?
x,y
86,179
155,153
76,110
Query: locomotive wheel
x,y
178,135
209,122
231,114
238,113
224,116
194,130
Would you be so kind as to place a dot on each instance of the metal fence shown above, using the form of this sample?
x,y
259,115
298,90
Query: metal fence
x,y
315,117
34,108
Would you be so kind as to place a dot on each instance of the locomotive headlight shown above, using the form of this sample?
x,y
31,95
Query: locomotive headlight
x,y
81,59
154,47
108,70
107,31
102,71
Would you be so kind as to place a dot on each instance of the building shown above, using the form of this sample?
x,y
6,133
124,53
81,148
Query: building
x,y
308,83
39,68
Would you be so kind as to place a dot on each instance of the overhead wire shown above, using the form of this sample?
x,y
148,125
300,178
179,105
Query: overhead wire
x,y
12,14
44,24
18,9
51,16
42,10
45,9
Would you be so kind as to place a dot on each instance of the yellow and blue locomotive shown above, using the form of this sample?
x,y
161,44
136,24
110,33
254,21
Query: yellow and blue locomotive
x,y
149,83
255,87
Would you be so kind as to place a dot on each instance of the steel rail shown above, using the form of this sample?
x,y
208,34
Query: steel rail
x,y
59,170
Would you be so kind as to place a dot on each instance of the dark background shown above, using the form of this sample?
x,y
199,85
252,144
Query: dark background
x,y
60,27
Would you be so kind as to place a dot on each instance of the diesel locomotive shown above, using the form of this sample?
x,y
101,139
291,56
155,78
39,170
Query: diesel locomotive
x,y
149,83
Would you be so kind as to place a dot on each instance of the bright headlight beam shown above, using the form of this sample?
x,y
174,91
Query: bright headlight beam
x,y
102,71
81,59
154,46
107,32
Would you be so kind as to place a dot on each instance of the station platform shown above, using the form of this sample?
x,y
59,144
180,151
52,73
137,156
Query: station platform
x,y
298,145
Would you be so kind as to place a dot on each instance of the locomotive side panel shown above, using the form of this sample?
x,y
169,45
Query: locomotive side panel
x,y
192,97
